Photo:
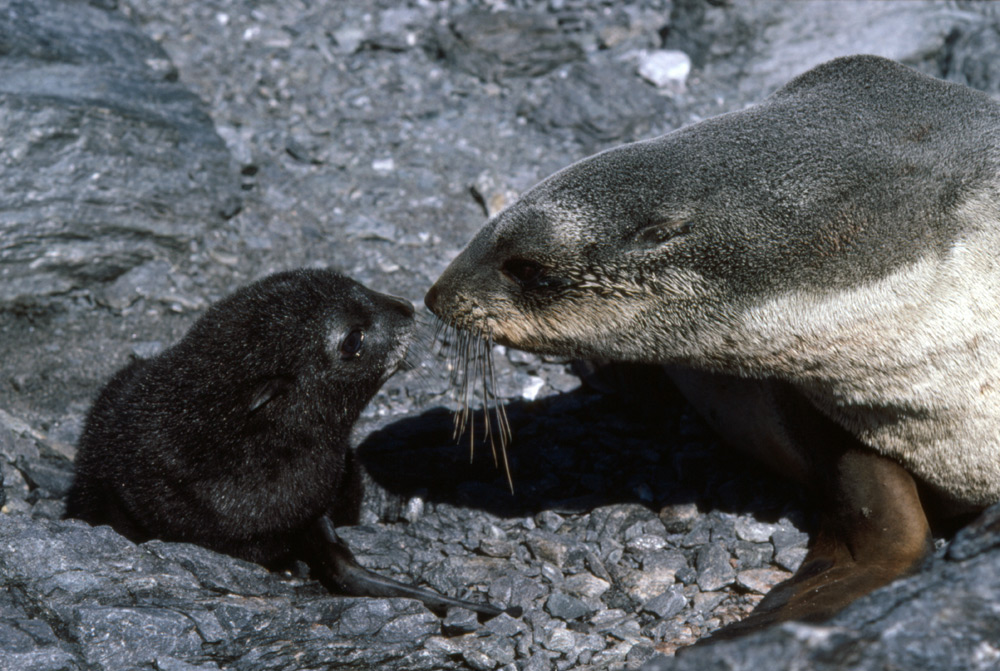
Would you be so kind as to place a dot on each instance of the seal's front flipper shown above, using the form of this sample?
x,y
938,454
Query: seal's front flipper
x,y
876,532
333,564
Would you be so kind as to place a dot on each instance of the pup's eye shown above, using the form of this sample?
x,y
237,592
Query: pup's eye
x,y
352,344
660,231
524,272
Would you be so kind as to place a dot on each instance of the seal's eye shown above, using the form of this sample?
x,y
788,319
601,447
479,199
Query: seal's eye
x,y
350,347
524,272
658,232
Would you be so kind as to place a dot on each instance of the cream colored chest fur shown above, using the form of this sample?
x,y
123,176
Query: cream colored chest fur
x,y
910,364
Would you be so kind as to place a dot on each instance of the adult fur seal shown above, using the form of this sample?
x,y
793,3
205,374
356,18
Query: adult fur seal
x,y
236,438
821,272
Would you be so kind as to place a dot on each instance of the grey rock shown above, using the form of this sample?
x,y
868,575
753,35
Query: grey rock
x,y
753,555
791,558
761,580
699,535
547,546
94,118
128,637
549,520
147,350
972,54
666,69
788,537
497,548
499,649
539,661
505,626
645,544
498,44
478,660
53,474
668,604
679,518
754,531
459,621
560,639
946,604
979,537
775,41
595,104
714,568
566,607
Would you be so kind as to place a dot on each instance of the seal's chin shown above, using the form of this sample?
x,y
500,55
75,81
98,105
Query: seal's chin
x,y
397,362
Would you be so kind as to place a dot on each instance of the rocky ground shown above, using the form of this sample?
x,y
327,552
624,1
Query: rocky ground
x,y
156,154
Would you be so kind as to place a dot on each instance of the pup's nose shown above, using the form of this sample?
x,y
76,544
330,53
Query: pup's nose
x,y
400,305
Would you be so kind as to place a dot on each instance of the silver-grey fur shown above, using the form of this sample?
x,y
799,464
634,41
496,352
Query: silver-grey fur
x,y
842,238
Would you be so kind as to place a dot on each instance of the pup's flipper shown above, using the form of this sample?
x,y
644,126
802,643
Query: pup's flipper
x,y
333,564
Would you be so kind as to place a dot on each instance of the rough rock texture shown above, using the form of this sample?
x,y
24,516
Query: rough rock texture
x,y
108,161
944,618
157,153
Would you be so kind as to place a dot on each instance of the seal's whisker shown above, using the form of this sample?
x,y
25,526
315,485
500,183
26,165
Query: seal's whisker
x,y
475,351
487,399
466,343
469,356
503,424
455,363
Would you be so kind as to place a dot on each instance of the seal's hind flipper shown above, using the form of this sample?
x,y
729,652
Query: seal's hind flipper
x,y
876,533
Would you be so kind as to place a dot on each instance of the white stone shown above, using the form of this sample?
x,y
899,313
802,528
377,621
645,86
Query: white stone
x,y
665,69
531,389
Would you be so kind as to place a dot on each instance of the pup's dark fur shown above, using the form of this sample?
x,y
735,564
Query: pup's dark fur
x,y
236,438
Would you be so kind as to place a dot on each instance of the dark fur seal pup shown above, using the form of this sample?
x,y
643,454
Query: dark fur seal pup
x,y
822,274
236,438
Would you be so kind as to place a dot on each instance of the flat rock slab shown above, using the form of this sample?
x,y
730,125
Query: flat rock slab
x,y
108,161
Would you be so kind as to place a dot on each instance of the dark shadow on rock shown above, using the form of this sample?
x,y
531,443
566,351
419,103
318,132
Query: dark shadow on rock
x,y
576,451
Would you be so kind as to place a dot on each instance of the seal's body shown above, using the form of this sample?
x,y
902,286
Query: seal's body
x,y
821,274
237,437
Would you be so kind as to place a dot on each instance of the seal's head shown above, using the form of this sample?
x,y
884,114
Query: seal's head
x,y
299,340
661,250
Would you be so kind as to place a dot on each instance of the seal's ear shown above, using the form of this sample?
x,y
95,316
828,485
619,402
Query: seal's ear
x,y
268,390
658,231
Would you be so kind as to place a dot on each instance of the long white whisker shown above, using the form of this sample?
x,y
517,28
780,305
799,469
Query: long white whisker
x,y
470,355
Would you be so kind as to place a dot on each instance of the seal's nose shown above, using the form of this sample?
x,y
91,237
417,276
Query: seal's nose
x,y
430,299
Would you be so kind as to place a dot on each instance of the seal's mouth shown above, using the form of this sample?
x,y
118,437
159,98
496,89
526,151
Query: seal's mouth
x,y
399,358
